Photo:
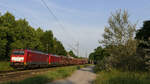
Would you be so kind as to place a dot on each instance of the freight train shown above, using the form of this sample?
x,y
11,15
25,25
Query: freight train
x,y
24,58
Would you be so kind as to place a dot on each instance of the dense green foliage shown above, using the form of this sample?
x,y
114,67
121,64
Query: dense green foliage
x,y
18,34
120,45
117,77
71,53
98,54
144,33
143,36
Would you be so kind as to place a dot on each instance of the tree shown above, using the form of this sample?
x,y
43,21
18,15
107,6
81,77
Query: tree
x,y
7,20
91,56
47,41
18,34
3,42
58,46
7,24
119,36
39,33
71,53
143,35
144,32
98,54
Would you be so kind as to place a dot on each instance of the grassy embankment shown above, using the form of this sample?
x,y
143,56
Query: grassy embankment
x,y
49,76
117,77
5,66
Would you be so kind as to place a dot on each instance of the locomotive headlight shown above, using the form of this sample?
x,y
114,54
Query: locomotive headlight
x,y
17,58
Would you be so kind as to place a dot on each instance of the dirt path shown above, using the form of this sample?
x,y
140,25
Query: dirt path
x,y
82,76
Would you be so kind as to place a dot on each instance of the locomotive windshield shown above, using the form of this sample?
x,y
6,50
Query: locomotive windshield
x,y
18,52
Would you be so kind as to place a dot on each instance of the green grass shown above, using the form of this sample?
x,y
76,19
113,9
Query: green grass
x,y
117,77
49,76
5,66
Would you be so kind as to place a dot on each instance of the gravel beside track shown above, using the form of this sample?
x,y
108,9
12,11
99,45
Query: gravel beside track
x,y
82,76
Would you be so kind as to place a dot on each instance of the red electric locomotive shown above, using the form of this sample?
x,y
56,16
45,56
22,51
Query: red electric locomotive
x,y
28,58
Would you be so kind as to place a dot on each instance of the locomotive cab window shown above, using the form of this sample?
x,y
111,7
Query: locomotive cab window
x,y
18,52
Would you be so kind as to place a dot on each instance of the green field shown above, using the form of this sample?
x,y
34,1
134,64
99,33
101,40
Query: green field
x,y
117,77
5,66
49,76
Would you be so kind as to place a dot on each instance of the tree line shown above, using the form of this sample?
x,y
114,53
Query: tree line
x,y
18,34
123,47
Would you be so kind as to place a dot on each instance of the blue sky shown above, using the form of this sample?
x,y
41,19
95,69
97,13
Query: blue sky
x,y
83,20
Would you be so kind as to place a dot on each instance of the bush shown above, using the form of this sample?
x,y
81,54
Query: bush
x,y
117,77
5,66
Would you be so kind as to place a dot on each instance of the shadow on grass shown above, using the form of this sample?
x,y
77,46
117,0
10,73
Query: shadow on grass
x,y
118,80
32,80
123,80
78,67
63,82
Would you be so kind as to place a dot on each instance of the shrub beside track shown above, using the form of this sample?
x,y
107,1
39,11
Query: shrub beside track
x,y
5,66
118,77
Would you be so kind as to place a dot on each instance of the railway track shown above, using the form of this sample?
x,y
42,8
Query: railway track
x,y
21,74
6,76
2,72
